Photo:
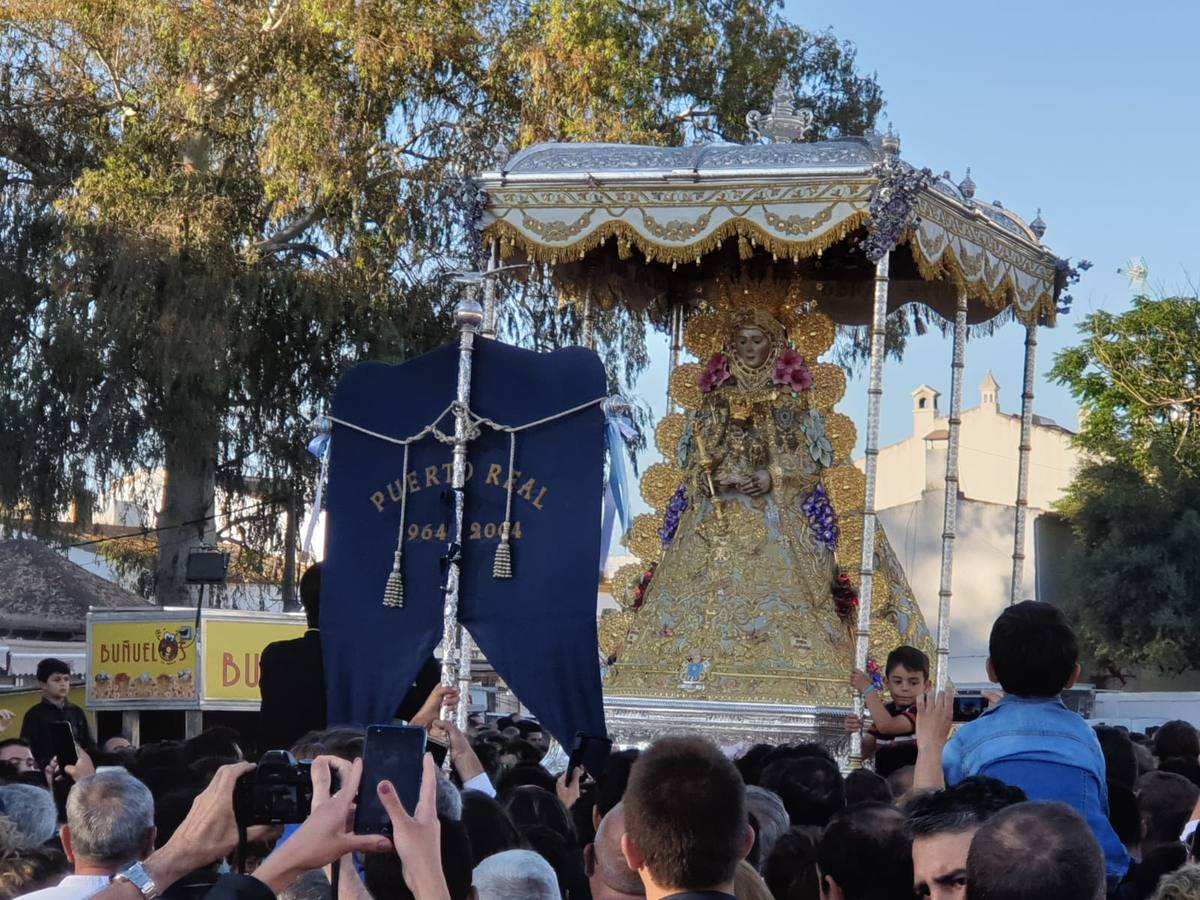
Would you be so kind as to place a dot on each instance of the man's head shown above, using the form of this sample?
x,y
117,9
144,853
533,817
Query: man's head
x,y
901,782
771,817
1033,651
608,874
31,812
1177,739
384,873
611,785
863,786
516,875
907,675
1035,851
1165,803
310,595
17,756
942,824
685,816
110,821
118,743
811,787
1120,761
864,854
54,678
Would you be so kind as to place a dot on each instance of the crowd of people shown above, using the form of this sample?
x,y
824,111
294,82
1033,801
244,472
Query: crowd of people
x,y
1024,803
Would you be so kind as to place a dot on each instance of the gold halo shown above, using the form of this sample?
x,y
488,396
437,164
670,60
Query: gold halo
x,y
659,483
829,385
644,541
703,335
850,542
812,333
667,433
685,385
842,435
847,489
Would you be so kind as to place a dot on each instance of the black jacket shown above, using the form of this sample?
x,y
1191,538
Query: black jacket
x,y
292,683
36,728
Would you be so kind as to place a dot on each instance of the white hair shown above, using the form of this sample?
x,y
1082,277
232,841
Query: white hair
x,y
109,815
449,799
772,818
32,813
516,875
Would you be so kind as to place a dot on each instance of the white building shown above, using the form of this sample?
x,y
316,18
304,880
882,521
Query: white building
x,y
910,498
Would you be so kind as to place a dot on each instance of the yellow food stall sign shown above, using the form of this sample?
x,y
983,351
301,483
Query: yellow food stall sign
x,y
140,660
231,647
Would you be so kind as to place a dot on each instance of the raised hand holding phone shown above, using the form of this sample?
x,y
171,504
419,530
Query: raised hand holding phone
x,y
418,837
392,753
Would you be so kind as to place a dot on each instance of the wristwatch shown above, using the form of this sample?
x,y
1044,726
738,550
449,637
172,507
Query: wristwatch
x,y
137,875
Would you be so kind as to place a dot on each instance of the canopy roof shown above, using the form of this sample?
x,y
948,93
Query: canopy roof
x,y
796,209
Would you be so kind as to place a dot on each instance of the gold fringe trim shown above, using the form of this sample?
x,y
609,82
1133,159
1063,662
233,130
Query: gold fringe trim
x,y
512,238
948,267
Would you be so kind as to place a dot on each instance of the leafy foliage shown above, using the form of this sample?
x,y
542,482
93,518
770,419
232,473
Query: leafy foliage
x,y
1134,575
209,210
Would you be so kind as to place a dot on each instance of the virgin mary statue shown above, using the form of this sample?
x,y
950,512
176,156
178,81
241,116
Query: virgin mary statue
x,y
749,588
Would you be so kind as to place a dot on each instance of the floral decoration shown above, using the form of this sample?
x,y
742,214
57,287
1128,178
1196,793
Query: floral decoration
x,y
821,517
715,374
819,446
845,603
792,372
675,509
639,589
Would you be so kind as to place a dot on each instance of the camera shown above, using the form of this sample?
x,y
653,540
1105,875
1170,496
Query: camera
x,y
278,792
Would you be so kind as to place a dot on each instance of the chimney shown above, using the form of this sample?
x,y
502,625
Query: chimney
x,y
924,411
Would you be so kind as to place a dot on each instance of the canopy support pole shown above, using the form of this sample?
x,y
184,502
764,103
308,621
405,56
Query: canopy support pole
x,y
676,325
456,668
1018,570
588,336
489,292
950,513
866,571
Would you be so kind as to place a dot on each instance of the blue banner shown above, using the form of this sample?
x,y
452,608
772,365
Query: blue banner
x,y
537,629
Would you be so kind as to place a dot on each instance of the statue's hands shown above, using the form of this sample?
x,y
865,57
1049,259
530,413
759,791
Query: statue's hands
x,y
757,484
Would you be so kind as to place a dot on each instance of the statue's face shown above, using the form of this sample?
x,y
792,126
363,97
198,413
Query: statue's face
x,y
752,346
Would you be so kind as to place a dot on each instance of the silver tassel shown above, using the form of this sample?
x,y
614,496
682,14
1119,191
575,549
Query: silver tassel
x,y
393,591
502,566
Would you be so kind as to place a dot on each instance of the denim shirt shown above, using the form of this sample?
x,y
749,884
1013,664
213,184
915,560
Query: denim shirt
x,y
1040,746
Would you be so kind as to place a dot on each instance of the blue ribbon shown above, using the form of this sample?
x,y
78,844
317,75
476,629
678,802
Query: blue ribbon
x,y
619,435
318,447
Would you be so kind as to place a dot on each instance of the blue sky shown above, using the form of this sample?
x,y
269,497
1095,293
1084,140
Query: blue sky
x,y
1090,111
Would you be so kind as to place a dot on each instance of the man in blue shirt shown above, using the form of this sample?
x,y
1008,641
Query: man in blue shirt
x,y
1030,739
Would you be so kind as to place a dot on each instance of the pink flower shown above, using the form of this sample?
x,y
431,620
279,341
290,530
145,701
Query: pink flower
x,y
791,372
715,374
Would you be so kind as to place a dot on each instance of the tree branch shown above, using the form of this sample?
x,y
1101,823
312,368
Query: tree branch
x,y
291,232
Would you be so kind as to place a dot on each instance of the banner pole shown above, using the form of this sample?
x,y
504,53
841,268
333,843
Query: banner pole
x,y
468,317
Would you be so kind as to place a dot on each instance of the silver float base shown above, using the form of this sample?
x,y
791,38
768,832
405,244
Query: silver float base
x,y
637,722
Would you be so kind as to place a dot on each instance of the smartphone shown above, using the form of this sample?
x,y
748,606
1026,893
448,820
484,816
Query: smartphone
x,y
969,708
394,753
591,752
62,742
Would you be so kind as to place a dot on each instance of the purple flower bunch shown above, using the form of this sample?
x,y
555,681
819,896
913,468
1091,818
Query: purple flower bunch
x,y
675,509
821,517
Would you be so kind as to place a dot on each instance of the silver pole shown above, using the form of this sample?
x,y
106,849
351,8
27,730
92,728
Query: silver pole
x,y
588,337
866,571
468,317
950,513
676,348
1018,570
489,292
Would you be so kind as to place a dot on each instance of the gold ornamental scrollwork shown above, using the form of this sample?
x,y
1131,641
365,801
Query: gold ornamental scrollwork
x,y
667,434
704,335
659,482
613,630
813,334
644,540
685,385
829,385
847,489
624,581
842,434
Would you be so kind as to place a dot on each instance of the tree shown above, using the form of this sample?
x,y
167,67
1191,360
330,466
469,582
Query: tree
x,y
1134,575
211,209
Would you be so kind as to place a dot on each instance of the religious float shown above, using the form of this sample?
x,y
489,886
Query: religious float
x,y
764,577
